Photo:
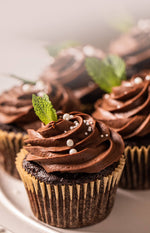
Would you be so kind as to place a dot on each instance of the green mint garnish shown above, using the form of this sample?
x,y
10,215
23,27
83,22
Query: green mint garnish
x,y
108,72
21,79
54,50
44,108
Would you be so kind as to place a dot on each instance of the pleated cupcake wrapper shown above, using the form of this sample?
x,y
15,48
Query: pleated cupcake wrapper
x,y
136,174
70,206
10,145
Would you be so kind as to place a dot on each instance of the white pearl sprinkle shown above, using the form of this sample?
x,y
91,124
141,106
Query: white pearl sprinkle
x,y
65,131
76,122
102,135
39,85
41,93
89,128
84,121
106,135
72,151
127,84
87,123
66,116
91,123
147,77
70,142
106,96
71,116
118,106
86,133
26,87
71,127
138,80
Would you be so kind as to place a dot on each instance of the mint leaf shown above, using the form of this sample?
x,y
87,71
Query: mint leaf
x,y
44,108
108,72
118,65
54,50
25,81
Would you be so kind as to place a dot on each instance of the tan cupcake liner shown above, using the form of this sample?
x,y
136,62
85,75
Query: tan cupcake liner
x,y
10,145
136,174
71,206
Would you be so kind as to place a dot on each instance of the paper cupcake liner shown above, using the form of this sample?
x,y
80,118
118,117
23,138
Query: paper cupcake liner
x,y
71,206
136,174
10,145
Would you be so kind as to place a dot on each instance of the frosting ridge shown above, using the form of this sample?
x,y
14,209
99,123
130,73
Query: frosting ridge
x,y
127,108
78,145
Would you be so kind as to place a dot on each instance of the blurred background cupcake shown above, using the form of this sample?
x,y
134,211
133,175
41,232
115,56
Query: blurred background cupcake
x,y
17,115
127,110
69,69
134,47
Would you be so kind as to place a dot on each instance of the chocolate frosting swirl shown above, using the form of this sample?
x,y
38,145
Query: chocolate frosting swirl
x,y
127,108
95,145
16,104
69,69
134,47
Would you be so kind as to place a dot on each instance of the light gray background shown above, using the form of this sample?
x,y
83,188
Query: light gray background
x,y
55,20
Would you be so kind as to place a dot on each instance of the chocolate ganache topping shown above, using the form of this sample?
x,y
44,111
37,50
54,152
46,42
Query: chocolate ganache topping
x,y
127,108
16,104
69,69
76,143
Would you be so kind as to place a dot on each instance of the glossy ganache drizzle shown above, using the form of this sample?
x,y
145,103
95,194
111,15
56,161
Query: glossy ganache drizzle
x,y
16,104
74,145
127,108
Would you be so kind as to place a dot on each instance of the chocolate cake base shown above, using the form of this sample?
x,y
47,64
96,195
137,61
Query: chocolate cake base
x,y
69,200
64,178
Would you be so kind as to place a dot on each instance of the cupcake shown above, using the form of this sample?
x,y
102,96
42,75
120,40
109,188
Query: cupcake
x,y
127,111
71,169
134,47
17,115
69,69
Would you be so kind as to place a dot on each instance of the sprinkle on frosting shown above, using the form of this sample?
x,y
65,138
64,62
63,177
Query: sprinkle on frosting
x,y
89,154
147,77
138,80
70,142
127,110
27,87
72,151
66,117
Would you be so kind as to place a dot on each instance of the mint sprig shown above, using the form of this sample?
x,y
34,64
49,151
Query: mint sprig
x,y
44,108
25,81
108,72
54,50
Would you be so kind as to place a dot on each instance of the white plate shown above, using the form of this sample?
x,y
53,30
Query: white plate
x,y
131,212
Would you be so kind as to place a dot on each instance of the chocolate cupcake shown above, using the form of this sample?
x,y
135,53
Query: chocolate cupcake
x,y
17,115
69,69
71,169
134,47
127,111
